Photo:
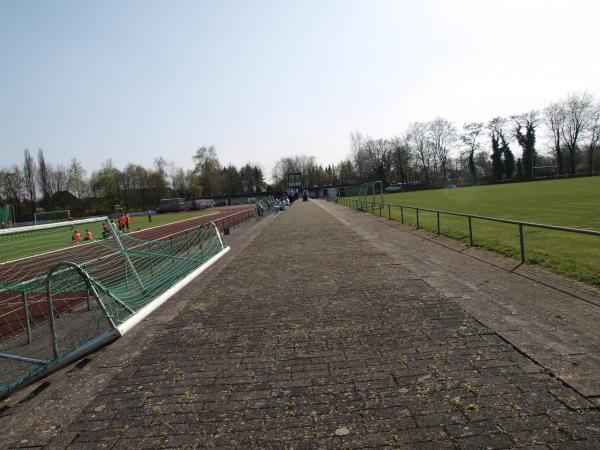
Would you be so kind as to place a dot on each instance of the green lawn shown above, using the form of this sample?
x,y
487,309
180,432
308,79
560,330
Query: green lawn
x,y
20,245
569,202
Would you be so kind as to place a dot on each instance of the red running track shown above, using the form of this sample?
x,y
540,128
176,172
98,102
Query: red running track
x,y
12,316
35,266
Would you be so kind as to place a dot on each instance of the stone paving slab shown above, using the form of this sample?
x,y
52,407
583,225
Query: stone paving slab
x,y
312,337
551,318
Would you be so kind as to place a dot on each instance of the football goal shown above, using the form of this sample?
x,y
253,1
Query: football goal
x,y
51,216
67,288
370,195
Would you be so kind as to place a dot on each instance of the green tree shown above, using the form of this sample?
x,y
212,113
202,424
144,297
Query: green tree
x,y
259,178
519,169
470,137
509,159
208,168
525,126
497,166
231,180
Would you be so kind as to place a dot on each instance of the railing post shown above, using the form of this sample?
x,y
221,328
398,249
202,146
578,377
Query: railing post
x,y
438,222
470,232
417,209
522,242
389,211
380,209
401,214
51,319
27,319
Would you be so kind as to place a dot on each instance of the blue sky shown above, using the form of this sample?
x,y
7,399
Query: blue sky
x,y
134,80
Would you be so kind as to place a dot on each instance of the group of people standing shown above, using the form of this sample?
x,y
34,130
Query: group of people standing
x,y
122,225
292,194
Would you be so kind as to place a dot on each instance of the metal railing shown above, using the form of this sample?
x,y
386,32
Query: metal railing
x,y
364,205
236,219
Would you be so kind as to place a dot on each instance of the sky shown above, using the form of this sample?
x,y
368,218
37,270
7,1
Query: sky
x,y
135,80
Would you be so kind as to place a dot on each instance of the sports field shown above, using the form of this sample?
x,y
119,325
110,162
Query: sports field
x,y
24,245
569,202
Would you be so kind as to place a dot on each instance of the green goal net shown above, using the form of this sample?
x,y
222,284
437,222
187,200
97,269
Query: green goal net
x,y
370,195
51,216
59,294
5,216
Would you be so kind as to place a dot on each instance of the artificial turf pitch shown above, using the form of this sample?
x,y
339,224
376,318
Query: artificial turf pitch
x,y
21,245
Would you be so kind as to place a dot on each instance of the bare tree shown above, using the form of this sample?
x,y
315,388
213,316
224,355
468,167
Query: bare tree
x,y
58,179
161,165
43,175
359,155
470,137
207,167
77,183
178,181
345,172
482,160
29,176
401,159
13,187
443,136
554,117
418,140
577,110
594,134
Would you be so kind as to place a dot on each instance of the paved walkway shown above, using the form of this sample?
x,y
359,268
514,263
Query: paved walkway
x,y
553,319
313,337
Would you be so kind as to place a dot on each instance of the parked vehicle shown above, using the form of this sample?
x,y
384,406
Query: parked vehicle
x,y
393,188
204,203
170,205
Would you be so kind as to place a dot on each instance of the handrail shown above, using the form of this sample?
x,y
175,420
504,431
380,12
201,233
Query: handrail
x,y
247,214
493,219
365,205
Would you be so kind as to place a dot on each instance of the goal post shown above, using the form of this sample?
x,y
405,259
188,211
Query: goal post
x,y
22,242
51,216
371,193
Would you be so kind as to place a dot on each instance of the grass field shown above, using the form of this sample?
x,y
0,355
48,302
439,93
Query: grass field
x,y
569,202
21,245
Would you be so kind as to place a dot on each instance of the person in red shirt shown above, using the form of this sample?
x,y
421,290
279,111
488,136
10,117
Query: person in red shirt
x,y
122,223
76,238
88,236
127,221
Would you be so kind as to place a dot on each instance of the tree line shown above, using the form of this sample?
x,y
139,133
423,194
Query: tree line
x,y
38,185
437,152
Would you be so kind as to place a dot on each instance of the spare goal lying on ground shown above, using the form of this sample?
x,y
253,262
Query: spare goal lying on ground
x,y
60,300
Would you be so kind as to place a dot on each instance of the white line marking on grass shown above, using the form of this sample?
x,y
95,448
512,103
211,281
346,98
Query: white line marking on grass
x,y
96,240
